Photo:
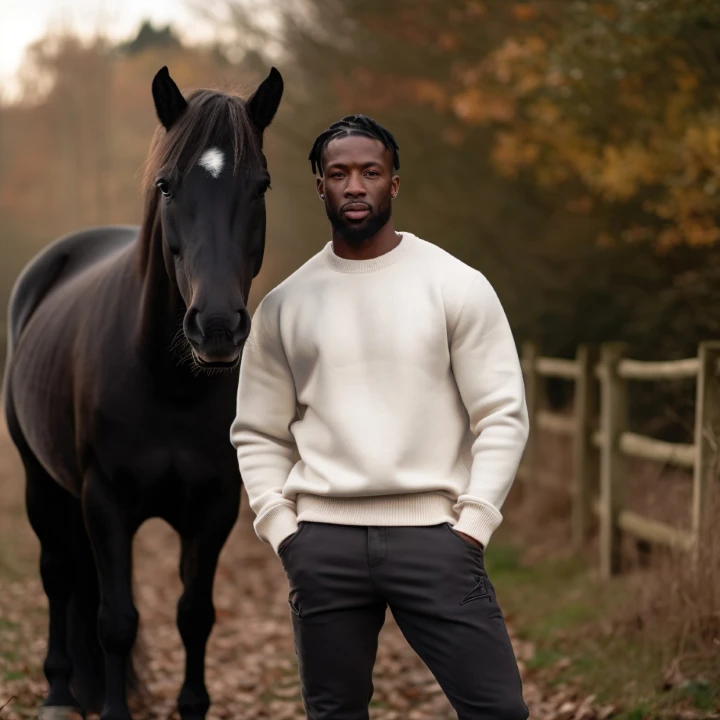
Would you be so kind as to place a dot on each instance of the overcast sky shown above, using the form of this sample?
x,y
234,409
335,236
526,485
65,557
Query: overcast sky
x,y
23,21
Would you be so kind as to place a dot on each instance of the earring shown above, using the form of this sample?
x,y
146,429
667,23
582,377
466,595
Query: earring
x,y
322,197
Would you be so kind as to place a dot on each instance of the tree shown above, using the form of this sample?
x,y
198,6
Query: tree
x,y
616,101
150,37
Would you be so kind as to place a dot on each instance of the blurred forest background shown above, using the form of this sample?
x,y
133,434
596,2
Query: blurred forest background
x,y
568,150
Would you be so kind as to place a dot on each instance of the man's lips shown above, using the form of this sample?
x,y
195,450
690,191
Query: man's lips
x,y
356,211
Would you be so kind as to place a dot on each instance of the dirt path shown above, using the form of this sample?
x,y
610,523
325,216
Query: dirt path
x,y
251,671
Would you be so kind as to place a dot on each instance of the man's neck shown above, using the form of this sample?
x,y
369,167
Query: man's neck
x,y
383,241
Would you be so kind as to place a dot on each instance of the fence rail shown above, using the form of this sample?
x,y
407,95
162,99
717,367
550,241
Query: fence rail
x,y
673,370
599,421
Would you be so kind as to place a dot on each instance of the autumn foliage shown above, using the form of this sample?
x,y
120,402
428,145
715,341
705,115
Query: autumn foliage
x,y
617,99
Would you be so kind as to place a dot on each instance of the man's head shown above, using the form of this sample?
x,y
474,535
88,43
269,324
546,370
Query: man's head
x,y
356,160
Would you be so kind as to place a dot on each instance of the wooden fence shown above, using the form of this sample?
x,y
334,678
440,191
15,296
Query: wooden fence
x,y
599,479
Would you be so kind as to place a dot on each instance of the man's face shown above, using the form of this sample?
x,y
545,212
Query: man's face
x,y
357,185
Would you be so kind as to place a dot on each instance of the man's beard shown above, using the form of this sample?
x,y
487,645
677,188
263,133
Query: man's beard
x,y
357,233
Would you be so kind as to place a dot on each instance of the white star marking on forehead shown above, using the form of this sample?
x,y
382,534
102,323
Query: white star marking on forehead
x,y
212,160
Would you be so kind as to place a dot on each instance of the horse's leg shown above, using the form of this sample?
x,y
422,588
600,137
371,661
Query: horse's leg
x,y
53,514
111,532
195,612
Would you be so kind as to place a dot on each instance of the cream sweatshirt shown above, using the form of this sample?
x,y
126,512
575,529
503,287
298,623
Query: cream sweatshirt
x,y
397,383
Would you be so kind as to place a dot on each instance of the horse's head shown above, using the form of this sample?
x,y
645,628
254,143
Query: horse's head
x,y
210,176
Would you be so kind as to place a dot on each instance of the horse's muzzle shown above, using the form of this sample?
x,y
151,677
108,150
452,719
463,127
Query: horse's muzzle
x,y
217,351
216,361
216,341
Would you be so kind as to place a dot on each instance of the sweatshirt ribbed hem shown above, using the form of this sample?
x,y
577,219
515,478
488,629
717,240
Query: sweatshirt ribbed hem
x,y
478,520
358,266
406,509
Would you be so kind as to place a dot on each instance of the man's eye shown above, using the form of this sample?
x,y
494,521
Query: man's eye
x,y
372,172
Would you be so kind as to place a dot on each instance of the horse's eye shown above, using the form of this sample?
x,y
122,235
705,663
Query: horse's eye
x,y
263,188
164,187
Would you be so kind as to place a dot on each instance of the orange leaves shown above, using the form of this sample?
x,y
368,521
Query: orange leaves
x,y
605,240
514,58
545,112
687,82
523,12
685,78
693,212
475,9
511,153
477,108
529,82
448,41
606,11
700,232
454,135
646,132
691,201
606,95
622,170
431,93
701,142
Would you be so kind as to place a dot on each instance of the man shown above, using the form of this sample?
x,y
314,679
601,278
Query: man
x,y
390,365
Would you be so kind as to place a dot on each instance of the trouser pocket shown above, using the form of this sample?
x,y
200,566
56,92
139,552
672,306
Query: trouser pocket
x,y
468,545
290,539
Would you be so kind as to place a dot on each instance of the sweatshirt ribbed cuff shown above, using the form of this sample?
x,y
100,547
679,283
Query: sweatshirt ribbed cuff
x,y
479,521
276,524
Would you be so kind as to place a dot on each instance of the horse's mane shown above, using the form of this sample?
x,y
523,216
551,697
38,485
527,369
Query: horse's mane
x,y
211,118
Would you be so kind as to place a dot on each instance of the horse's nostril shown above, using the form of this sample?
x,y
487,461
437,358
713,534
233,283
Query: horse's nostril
x,y
191,326
242,326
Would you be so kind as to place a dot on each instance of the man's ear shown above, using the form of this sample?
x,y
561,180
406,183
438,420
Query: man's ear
x,y
169,101
321,188
264,102
395,186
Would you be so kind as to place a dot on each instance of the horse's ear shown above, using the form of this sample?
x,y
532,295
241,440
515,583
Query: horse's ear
x,y
264,102
169,101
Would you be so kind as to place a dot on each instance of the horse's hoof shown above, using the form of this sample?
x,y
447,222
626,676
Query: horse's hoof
x,y
59,712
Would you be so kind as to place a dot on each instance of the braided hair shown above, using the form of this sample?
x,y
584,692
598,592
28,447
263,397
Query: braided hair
x,y
352,125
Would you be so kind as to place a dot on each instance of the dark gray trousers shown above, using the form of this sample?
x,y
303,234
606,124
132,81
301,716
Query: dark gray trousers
x,y
342,578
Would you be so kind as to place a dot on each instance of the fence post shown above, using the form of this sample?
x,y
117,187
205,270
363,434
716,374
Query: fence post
x,y
707,436
613,423
584,456
530,354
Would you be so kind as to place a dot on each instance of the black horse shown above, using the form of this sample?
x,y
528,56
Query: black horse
x,y
119,392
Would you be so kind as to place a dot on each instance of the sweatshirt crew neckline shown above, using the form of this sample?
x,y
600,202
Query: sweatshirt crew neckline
x,y
359,266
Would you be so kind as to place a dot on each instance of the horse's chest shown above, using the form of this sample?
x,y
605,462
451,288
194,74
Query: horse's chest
x,y
160,444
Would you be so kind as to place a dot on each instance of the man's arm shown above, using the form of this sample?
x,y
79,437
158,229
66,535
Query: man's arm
x,y
489,377
260,432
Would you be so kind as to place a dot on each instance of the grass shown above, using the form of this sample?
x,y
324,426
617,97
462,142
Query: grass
x,y
576,625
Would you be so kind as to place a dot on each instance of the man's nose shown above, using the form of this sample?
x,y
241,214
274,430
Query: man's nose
x,y
355,186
